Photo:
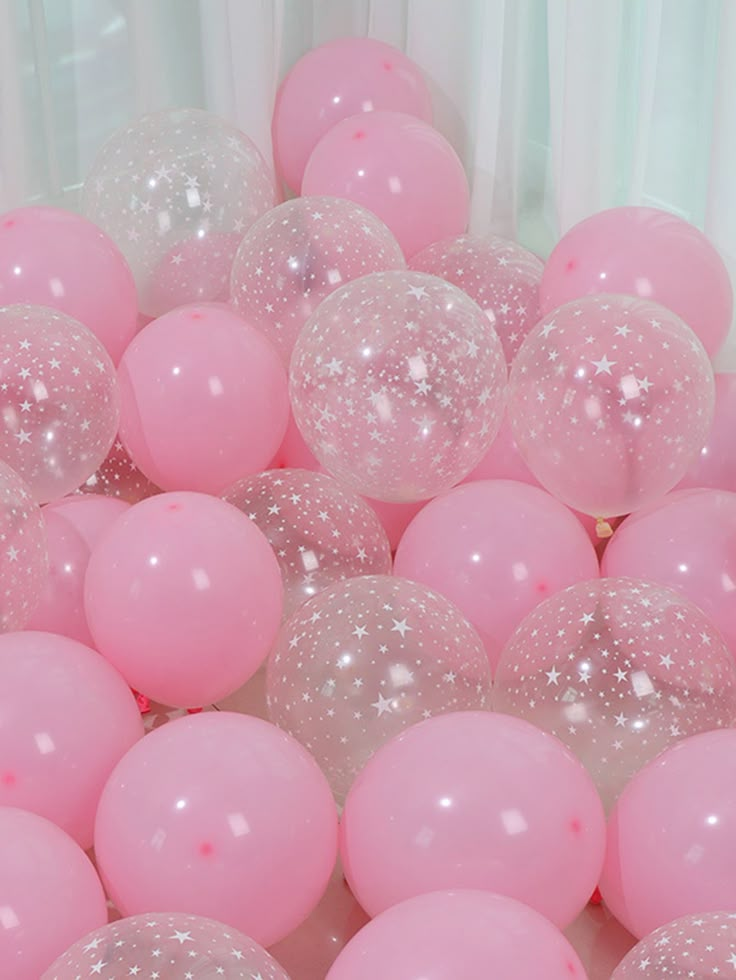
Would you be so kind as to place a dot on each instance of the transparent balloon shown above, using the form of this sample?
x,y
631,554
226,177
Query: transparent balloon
x,y
320,532
24,558
366,659
59,402
617,669
118,476
610,400
397,385
701,945
177,190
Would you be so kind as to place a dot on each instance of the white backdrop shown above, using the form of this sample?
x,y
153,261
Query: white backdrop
x,y
557,107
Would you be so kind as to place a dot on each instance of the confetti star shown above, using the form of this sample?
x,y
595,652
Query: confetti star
x,y
25,406
620,720
732,960
586,618
182,937
623,331
93,945
645,384
360,632
552,676
603,366
334,367
449,677
620,675
418,292
400,626
23,436
666,661
98,967
237,953
24,344
548,328
382,705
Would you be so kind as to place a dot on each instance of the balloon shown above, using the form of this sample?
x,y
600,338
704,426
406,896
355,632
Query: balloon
x,y
183,597
178,188
91,514
54,258
50,895
118,476
398,167
496,548
294,453
221,815
300,252
452,934
395,517
24,557
648,253
715,466
59,401
502,277
474,800
363,661
206,364
686,541
704,942
617,669
610,401
671,836
174,944
320,532
405,406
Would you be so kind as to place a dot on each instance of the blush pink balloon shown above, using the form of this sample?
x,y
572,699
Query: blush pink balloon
x,y
672,836
183,596
474,800
496,548
716,465
51,895
688,542
342,78
648,253
54,258
205,364
195,270
24,556
395,517
118,476
398,167
222,815
468,934
704,942
91,514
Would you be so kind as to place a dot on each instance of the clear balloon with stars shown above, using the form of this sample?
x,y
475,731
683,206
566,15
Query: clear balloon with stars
x,y
320,532
397,385
702,945
617,669
24,559
366,659
118,476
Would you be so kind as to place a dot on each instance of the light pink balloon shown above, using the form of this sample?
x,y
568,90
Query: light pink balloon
x,y
715,466
474,800
471,935
496,548
648,253
118,476
400,168
195,270
91,514
704,942
24,557
50,893
610,400
205,364
395,517
300,252
342,78
687,541
672,836
222,815
183,596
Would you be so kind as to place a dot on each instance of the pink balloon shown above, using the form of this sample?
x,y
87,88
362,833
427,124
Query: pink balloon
x,y
672,836
688,542
24,557
398,167
648,253
704,942
118,476
300,252
91,514
395,517
183,596
474,800
66,719
51,896
294,453
610,400
345,77
459,934
222,815
496,548
195,270
54,258
208,365
716,465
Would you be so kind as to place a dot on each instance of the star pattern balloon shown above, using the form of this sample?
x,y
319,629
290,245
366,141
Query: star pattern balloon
x,y
118,476
23,551
702,945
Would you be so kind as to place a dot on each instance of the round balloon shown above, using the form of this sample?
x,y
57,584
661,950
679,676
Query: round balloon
x,y
715,466
24,557
397,384
700,945
118,476
610,400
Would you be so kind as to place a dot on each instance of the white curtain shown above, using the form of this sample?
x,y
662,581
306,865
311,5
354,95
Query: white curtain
x,y
557,107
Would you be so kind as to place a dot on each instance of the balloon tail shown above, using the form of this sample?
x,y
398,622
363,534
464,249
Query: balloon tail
x,y
144,705
596,898
602,528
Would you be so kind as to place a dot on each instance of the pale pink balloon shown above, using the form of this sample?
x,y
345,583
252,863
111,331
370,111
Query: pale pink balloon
x,y
91,514
222,815
404,403
207,365
610,400
672,836
649,253
300,252
195,270
342,78
686,541
715,466
61,606
395,517
447,935
699,945
496,548
59,401
294,453
183,596
474,800
51,895
24,556
118,476
400,168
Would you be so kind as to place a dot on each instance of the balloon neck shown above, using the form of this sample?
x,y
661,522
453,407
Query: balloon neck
x,y
602,528
193,711
144,705
596,898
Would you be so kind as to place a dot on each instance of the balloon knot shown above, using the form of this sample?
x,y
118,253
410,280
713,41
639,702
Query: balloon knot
x,y
144,705
193,711
602,528
596,898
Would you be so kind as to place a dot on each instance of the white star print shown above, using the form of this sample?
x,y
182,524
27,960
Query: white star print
x,y
603,366
400,626
552,676
382,705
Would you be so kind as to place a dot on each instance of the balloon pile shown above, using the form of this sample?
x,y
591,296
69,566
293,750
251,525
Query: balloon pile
x,y
367,586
